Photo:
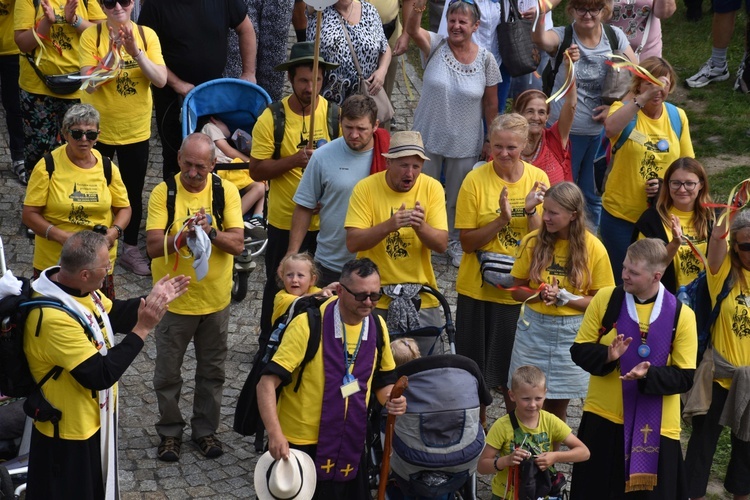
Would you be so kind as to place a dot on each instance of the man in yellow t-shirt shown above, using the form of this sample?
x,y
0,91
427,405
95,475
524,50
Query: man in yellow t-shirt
x,y
202,315
283,164
324,412
397,218
10,95
638,370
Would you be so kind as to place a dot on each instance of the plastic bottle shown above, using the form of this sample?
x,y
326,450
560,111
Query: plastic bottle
x,y
683,296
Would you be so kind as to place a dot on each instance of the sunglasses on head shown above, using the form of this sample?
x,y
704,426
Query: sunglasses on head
x,y
111,4
362,296
78,134
743,247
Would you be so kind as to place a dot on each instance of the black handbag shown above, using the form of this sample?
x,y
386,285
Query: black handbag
x,y
514,40
59,84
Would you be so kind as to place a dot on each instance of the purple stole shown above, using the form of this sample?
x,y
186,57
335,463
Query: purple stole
x,y
642,412
343,422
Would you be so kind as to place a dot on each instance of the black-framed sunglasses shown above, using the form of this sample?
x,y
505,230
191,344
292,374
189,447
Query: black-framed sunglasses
x,y
110,4
362,296
583,11
91,135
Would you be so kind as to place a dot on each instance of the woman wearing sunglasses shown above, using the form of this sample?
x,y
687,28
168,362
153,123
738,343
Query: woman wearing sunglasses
x,y
54,50
680,213
125,105
593,44
726,382
69,192
459,90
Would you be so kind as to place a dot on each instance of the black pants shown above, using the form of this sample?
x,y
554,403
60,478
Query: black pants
x,y
278,242
327,276
168,103
702,446
11,98
132,159
356,489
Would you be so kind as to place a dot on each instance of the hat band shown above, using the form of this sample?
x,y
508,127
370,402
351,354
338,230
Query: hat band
x,y
301,483
406,147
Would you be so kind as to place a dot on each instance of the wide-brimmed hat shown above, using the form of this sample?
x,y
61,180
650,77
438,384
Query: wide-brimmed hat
x,y
303,53
406,144
293,478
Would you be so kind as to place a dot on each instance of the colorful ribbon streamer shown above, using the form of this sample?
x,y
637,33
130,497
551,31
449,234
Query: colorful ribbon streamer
x,y
619,62
566,86
107,69
40,41
737,200
543,6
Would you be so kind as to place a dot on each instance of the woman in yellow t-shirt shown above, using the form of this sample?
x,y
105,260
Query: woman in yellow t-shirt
x,y
680,213
646,153
730,341
498,204
567,265
125,105
75,195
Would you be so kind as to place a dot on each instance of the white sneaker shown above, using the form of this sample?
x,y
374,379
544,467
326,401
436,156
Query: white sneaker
x,y
707,74
455,252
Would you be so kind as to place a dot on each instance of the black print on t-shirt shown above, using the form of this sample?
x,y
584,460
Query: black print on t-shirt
x,y
57,34
78,215
689,264
126,86
507,237
740,319
555,269
395,247
4,9
649,169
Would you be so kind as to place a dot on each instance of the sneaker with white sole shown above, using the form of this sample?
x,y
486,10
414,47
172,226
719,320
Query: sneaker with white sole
x,y
708,74
254,230
133,261
455,252
19,168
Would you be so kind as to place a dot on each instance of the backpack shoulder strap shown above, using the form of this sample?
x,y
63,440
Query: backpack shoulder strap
x,y
625,134
49,163
566,42
217,200
609,31
440,44
99,34
609,320
107,166
333,120
315,325
674,119
279,124
143,37
171,195
677,310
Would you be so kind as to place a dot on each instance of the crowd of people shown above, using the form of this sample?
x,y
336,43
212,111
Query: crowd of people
x,y
511,198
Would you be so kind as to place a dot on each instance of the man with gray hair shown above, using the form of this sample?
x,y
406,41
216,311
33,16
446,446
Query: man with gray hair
x,y
197,209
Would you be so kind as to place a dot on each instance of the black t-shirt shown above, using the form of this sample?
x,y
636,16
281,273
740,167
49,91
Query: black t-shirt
x,y
193,34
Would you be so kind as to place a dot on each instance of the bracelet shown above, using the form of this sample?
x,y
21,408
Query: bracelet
x,y
77,21
639,105
139,54
533,212
119,230
495,464
420,9
46,233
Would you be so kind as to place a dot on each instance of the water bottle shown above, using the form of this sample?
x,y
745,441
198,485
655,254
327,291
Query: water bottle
x,y
683,296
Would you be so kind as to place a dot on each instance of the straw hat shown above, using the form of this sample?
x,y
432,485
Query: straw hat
x,y
406,144
289,479
303,53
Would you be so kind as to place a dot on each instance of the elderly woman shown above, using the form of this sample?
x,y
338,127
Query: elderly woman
x,y
640,159
499,203
362,23
125,105
58,24
73,189
680,214
593,44
459,90
728,266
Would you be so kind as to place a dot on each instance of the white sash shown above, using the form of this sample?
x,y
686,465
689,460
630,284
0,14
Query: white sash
x,y
107,409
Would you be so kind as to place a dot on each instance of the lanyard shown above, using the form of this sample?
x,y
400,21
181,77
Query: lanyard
x,y
349,360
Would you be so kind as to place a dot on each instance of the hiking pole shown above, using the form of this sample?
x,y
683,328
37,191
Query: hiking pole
x,y
318,5
398,389
2,258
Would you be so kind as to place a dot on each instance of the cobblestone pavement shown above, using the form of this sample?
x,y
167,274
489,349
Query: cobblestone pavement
x,y
142,476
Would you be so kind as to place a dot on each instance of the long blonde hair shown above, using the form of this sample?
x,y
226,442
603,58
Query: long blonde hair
x,y
570,198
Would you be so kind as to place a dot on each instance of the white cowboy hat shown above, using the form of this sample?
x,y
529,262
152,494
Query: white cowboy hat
x,y
289,479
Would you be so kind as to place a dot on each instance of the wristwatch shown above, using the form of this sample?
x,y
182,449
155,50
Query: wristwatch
x,y
212,234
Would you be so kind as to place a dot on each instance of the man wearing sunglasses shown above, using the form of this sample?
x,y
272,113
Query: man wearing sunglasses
x,y
193,37
397,218
327,417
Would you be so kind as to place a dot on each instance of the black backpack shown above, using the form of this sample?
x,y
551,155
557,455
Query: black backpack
x,y
49,164
700,303
217,200
609,320
279,124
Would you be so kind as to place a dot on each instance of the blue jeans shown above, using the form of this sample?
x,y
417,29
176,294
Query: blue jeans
x,y
583,151
503,89
616,235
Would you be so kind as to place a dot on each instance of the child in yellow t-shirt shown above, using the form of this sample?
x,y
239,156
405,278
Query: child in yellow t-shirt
x,y
541,431
297,275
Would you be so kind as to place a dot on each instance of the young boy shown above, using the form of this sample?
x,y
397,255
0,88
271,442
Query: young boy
x,y
542,429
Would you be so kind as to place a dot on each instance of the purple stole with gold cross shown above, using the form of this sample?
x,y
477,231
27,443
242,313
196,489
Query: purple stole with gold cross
x,y
642,412
343,421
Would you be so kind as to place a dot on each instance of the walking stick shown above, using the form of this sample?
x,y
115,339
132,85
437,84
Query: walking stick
x,y
318,5
396,392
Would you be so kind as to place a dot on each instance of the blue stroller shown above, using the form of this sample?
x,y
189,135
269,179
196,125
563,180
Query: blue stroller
x,y
238,104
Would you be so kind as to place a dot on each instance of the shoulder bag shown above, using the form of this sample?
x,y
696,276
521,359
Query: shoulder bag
x,y
514,41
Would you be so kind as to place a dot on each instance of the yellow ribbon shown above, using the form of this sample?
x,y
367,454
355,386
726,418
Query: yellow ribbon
x,y
568,81
640,71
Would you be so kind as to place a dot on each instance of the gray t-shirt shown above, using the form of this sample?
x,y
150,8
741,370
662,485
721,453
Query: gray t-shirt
x,y
590,72
329,178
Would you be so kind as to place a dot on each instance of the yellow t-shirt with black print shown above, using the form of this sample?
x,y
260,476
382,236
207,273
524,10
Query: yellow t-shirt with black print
x,y
478,202
73,199
124,102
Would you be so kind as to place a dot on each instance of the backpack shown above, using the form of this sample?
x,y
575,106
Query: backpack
x,y
533,482
609,320
673,116
550,71
49,163
15,376
279,124
247,419
217,200
699,301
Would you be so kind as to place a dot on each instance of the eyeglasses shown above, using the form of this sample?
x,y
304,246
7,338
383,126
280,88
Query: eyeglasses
x,y
688,185
108,267
110,4
743,247
91,135
592,12
362,296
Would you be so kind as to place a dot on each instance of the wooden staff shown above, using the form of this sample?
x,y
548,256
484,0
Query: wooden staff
x,y
316,55
385,466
